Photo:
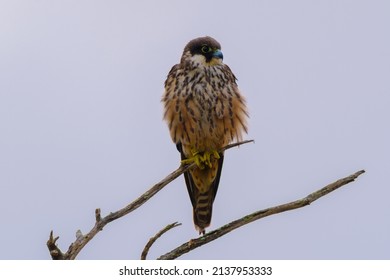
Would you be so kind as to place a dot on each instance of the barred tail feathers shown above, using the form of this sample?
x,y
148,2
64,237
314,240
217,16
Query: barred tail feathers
x,y
202,210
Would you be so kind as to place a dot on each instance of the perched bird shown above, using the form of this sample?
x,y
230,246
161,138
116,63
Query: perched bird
x,y
205,111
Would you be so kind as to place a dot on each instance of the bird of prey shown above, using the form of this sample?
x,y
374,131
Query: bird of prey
x,y
205,111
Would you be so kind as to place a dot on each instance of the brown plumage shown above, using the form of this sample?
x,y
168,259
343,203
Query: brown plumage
x,y
204,111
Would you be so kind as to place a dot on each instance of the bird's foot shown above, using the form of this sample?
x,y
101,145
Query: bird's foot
x,y
202,159
208,156
197,158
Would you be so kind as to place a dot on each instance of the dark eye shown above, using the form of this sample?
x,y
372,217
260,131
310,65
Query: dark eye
x,y
205,49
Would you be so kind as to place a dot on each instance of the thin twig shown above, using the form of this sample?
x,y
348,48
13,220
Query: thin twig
x,y
237,144
153,239
101,222
212,235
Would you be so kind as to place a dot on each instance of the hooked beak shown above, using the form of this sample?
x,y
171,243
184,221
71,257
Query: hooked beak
x,y
218,54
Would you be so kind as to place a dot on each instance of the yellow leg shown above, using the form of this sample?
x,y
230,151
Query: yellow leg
x,y
202,159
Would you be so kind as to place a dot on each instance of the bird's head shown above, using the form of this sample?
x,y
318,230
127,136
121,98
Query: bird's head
x,y
204,51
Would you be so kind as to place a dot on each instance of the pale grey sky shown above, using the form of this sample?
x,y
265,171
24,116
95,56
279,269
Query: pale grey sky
x,y
81,125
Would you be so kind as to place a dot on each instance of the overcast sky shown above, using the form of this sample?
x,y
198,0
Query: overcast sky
x,y
81,125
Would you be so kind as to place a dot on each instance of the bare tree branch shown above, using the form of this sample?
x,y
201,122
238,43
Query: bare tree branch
x,y
82,240
212,235
55,252
154,238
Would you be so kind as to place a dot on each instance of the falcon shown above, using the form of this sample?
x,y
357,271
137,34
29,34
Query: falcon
x,y
205,111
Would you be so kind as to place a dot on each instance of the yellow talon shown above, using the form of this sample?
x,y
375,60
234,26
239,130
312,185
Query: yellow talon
x,y
202,160
197,158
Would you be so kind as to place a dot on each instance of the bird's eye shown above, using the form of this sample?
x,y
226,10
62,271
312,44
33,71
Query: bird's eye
x,y
205,49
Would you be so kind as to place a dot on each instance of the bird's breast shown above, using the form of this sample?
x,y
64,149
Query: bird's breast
x,y
199,107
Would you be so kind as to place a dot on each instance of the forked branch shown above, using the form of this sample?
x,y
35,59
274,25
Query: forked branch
x,y
82,240
101,222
